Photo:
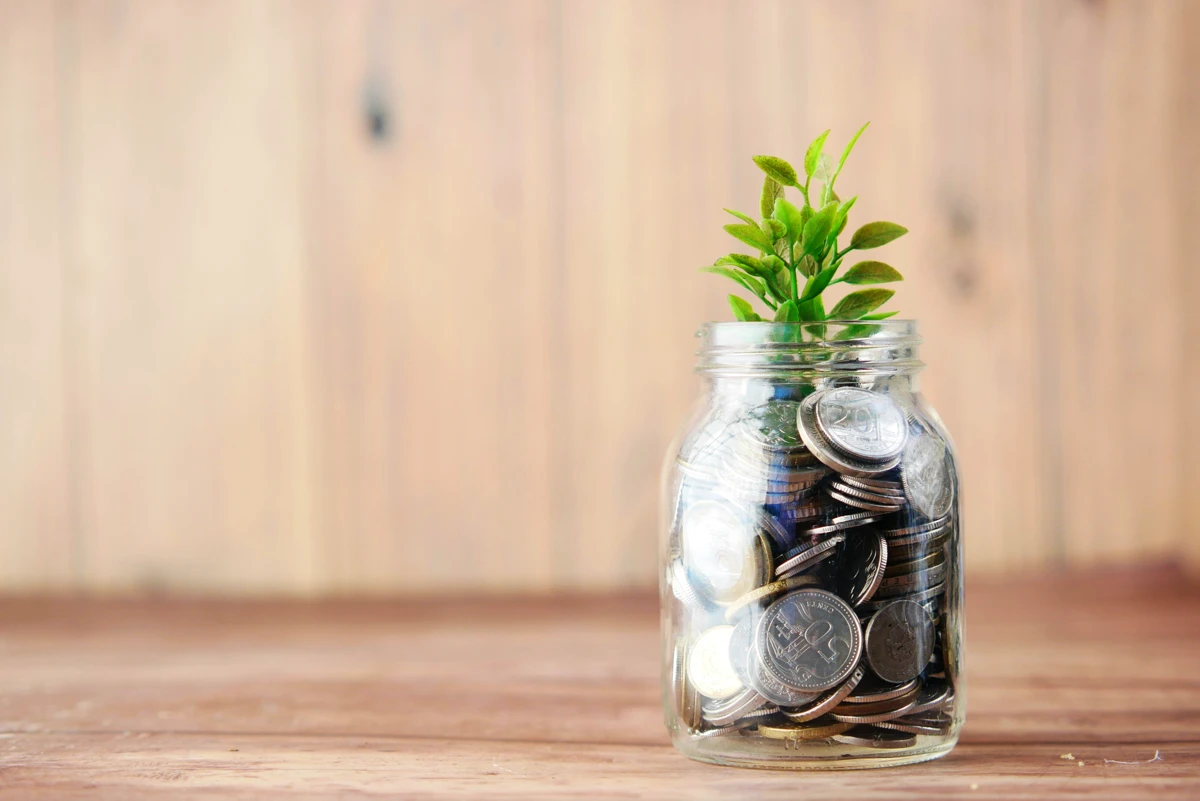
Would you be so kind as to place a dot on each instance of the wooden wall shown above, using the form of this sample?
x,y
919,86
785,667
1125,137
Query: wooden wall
x,y
313,297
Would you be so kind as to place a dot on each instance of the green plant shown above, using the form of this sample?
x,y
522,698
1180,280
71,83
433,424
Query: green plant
x,y
801,242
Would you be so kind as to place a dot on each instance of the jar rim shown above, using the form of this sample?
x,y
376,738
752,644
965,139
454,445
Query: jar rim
x,y
758,348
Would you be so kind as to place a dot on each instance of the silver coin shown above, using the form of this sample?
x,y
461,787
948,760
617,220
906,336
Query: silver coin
x,y
880,485
923,528
809,640
859,503
719,551
899,641
926,561
927,724
907,583
871,690
681,588
799,561
829,455
735,709
843,523
708,666
873,737
771,688
859,713
934,695
865,425
846,488
772,425
927,476
866,560
827,701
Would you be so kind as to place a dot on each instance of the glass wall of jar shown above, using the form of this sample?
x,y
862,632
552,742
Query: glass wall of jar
x,y
811,553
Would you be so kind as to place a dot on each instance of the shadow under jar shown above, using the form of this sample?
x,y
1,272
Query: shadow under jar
x,y
811,559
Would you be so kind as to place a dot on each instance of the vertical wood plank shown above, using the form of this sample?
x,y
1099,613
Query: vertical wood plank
x,y
1184,162
188,266
437,262
1107,261
36,545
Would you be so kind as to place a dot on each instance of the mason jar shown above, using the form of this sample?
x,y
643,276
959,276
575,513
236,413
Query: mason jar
x,y
811,553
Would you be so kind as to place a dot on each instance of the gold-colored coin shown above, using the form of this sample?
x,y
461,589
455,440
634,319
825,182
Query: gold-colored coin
x,y
766,591
820,729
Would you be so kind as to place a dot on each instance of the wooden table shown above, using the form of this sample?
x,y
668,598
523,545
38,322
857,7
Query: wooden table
x,y
1076,683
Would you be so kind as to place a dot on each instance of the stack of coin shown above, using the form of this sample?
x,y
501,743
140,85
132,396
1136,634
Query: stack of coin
x,y
810,550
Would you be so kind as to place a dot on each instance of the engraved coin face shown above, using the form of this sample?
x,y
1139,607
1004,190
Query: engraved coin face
x,y
899,641
867,425
830,454
926,473
809,640
708,666
720,551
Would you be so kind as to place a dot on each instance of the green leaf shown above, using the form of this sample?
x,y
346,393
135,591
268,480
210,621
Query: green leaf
x,y
743,217
808,266
857,304
879,315
742,310
846,155
774,229
787,213
749,282
777,169
787,313
772,190
752,235
747,263
816,230
843,214
859,331
874,234
813,154
872,272
818,282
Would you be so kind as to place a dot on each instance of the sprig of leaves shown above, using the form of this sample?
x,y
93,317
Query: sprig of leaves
x,y
797,245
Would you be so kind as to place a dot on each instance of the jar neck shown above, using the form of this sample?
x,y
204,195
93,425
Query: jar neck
x,y
752,359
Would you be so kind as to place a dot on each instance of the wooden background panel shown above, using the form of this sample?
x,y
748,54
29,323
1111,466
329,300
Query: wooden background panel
x,y
37,549
391,295
437,255
187,263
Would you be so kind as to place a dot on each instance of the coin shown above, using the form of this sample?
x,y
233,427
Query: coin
x,y
768,590
927,476
932,525
874,737
899,641
865,559
881,486
907,583
827,700
844,522
925,561
809,640
904,703
681,588
805,557
829,454
772,425
934,695
815,730
871,689
861,504
687,700
936,724
720,551
741,644
865,425
708,666
739,706
771,688
870,496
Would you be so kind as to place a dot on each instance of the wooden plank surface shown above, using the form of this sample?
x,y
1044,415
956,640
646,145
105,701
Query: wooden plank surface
x,y
37,548
556,697
290,285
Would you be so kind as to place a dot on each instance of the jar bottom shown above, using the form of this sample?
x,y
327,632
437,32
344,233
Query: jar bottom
x,y
726,750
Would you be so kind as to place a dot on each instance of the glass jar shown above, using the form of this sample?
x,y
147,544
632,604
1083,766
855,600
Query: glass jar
x,y
811,559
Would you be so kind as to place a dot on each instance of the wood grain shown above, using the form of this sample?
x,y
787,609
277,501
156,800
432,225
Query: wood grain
x,y
37,546
303,297
556,697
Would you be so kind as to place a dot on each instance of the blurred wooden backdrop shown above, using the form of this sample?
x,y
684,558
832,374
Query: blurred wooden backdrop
x,y
388,296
